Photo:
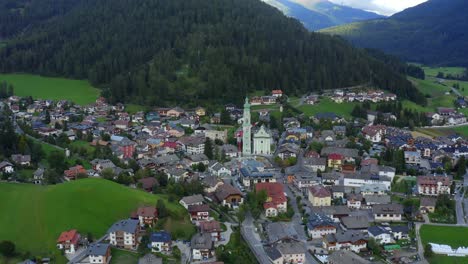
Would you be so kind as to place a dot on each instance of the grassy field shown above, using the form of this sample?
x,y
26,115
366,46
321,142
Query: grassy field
x,y
453,236
80,92
36,215
327,105
133,108
436,132
123,257
433,71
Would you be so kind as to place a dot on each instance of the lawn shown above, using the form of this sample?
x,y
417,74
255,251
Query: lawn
x,y
123,257
433,71
78,91
134,108
327,105
453,236
436,132
441,259
463,130
429,87
89,205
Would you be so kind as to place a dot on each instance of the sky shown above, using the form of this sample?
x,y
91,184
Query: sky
x,y
383,7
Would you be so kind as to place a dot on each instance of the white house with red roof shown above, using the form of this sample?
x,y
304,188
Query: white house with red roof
x,y
276,199
277,93
68,241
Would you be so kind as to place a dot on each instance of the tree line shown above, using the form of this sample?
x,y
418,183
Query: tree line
x,y
193,51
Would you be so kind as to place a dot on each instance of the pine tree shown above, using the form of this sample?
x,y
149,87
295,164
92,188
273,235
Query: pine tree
x,y
208,148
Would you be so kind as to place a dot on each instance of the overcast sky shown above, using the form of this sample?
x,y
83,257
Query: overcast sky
x,y
384,7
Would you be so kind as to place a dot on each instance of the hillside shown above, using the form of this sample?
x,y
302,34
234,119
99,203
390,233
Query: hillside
x,y
34,216
191,52
431,33
321,14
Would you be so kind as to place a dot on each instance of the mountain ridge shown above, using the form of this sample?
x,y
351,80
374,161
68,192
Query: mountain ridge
x,y
433,33
321,14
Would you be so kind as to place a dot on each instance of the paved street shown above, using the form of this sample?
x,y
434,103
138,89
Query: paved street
x,y
459,200
253,240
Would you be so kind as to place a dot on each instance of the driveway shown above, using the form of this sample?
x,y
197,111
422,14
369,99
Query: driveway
x,y
184,251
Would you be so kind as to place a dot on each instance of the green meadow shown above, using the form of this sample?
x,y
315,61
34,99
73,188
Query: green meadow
x,y
453,236
78,91
34,216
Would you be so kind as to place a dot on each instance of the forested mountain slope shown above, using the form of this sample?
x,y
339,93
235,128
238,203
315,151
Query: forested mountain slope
x,y
434,33
188,52
16,16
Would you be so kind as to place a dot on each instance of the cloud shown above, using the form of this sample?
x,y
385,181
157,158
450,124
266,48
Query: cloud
x,y
384,7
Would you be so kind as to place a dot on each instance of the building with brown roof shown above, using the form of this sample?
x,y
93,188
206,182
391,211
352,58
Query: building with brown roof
x,y
147,215
148,183
427,204
211,227
228,195
434,185
319,196
199,212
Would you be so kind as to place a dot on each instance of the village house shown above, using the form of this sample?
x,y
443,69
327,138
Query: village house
x,y
434,185
211,184
148,183
147,215
335,161
160,241
6,167
68,241
319,196
342,256
218,169
202,246
199,212
73,172
22,160
228,195
276,201
355,223
125,234
98,253
315,164
320,225
292,252
193,145
187,201
277,93
387,212
427,205
211,227
346,240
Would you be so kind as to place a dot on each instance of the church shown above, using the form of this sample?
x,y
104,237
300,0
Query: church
x,y
261,138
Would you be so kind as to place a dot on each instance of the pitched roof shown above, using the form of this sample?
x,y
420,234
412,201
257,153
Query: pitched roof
x,y
202,241
210,226
148,211
70,235
319,191
225,191
198,208
193,199
97,249
126,225
161,236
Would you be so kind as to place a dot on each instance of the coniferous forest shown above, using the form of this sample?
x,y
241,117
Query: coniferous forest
x,y
159,52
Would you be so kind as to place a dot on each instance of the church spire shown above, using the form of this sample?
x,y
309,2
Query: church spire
x,y
247,103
